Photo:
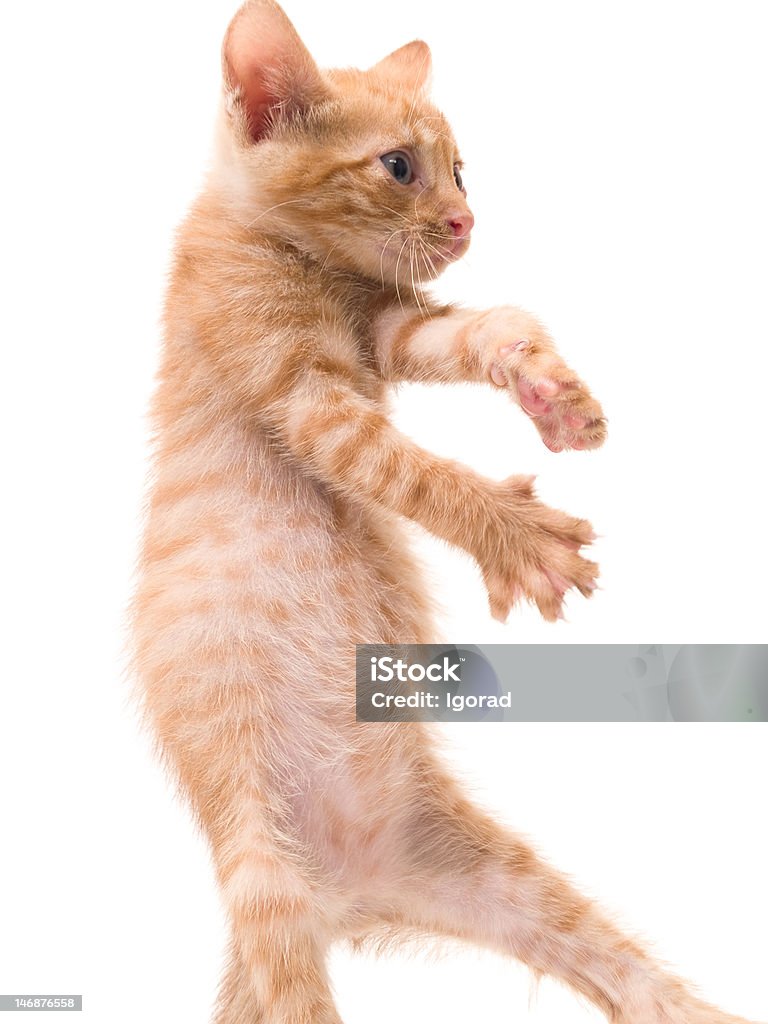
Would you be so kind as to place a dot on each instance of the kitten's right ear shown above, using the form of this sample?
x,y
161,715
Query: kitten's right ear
x,y
410,66
268,72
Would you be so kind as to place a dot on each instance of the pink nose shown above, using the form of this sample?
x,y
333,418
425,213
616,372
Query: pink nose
x,y
461,223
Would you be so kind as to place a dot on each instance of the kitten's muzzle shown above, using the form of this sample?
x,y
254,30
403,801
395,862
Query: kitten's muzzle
x,y
460,223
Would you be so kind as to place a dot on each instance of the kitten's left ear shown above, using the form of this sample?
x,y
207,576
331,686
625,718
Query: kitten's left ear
x,y
411,65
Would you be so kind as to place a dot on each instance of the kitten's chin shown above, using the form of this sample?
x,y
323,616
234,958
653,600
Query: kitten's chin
x,y
456,249
418,264
447,252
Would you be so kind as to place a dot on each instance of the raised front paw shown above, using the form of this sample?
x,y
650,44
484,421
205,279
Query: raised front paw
x,y
559,403
532,552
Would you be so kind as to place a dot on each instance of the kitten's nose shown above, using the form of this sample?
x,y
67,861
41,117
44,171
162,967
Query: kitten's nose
x,y
461,223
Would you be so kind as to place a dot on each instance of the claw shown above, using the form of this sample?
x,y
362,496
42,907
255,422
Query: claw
x,y
498,376
560,585
516,346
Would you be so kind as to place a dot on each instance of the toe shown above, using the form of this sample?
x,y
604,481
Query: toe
x,y
531,400
547,388
574,421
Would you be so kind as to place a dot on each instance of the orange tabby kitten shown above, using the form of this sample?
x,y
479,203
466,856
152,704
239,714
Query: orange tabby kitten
x,y
274,539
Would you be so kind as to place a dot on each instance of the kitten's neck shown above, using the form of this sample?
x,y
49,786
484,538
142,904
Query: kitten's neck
x,y
217,223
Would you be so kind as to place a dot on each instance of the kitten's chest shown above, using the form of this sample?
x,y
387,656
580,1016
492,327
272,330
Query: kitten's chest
x,y
356,305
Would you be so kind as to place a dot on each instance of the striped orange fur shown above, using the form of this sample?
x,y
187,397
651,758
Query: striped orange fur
x,y
274,540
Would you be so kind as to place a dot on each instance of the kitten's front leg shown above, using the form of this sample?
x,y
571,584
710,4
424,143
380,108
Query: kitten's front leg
x,y
529,551
504,346
519,355
312,395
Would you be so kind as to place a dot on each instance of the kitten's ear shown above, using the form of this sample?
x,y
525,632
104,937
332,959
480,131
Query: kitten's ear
x,y
410,65
267,69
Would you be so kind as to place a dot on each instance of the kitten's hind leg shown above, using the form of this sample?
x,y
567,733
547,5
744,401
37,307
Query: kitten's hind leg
x,y
280,930
463,876
274,976
281,916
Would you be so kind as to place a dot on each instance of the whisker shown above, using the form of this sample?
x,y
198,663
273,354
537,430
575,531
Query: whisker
x,y
414,289
420,254
439,251
416,90
400,215
263,213
328,256
416,204
430,117
381,258
434,131
397,272
428,261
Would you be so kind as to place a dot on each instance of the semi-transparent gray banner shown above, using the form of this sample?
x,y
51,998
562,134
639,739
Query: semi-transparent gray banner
x,y
19,1003
562,683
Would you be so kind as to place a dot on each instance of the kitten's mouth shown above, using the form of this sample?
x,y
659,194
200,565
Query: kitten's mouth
x,y
451,249
430,253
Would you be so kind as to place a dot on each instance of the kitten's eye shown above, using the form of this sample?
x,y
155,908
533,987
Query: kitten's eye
x,y
399,166
457,178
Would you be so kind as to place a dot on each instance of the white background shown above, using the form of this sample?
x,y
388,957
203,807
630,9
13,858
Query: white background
x,y
616,164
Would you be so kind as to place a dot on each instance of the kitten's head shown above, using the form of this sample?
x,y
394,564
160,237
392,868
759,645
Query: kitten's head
x,y
356,167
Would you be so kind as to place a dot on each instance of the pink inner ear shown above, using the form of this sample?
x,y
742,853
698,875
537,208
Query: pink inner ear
x,y
264,57
250,57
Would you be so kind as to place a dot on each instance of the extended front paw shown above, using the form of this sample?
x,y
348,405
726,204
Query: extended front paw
x,y
521,357
533,553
